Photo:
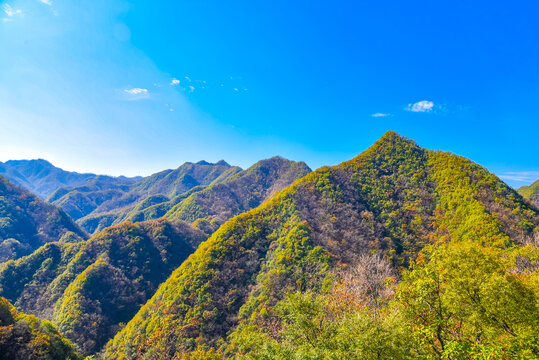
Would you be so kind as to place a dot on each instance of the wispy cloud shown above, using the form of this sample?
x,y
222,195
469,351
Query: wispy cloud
x,y
376,115
136,91
520,176
175,82
9,11
46,2
421,106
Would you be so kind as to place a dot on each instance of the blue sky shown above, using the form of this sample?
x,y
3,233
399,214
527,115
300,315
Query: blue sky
x,y
134,87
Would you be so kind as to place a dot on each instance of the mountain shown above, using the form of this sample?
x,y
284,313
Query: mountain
x,y
391,201
81,200
213,204
27,222
27,337
101,195
88,289
184,178
40,176
531,192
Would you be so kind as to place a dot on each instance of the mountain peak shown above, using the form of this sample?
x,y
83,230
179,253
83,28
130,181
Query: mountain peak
x,y
222,163
41,162
393,137
392,146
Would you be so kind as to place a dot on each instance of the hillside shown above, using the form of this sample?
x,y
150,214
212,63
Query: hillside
x,y
81,200
531,192
88,289
214,204
102,195
390,201
27,222
27,337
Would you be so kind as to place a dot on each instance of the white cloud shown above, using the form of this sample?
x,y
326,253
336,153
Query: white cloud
x,y
137,91
46,2
175,82
421,106
191,88
380,115
520,176
10,11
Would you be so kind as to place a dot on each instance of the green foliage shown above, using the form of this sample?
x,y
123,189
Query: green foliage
x,y
464,300
27,337
310,327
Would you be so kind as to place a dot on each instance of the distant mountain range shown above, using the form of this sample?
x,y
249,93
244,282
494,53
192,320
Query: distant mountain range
x,y
232,193
42,178
98,201
104,194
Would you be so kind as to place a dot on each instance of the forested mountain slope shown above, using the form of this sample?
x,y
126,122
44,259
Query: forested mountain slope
x,y
88,289
211,204
27,222
27,337
531,192
390,201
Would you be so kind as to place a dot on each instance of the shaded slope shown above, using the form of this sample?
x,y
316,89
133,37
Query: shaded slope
x,y
392,199
26,222
27,337
89,289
